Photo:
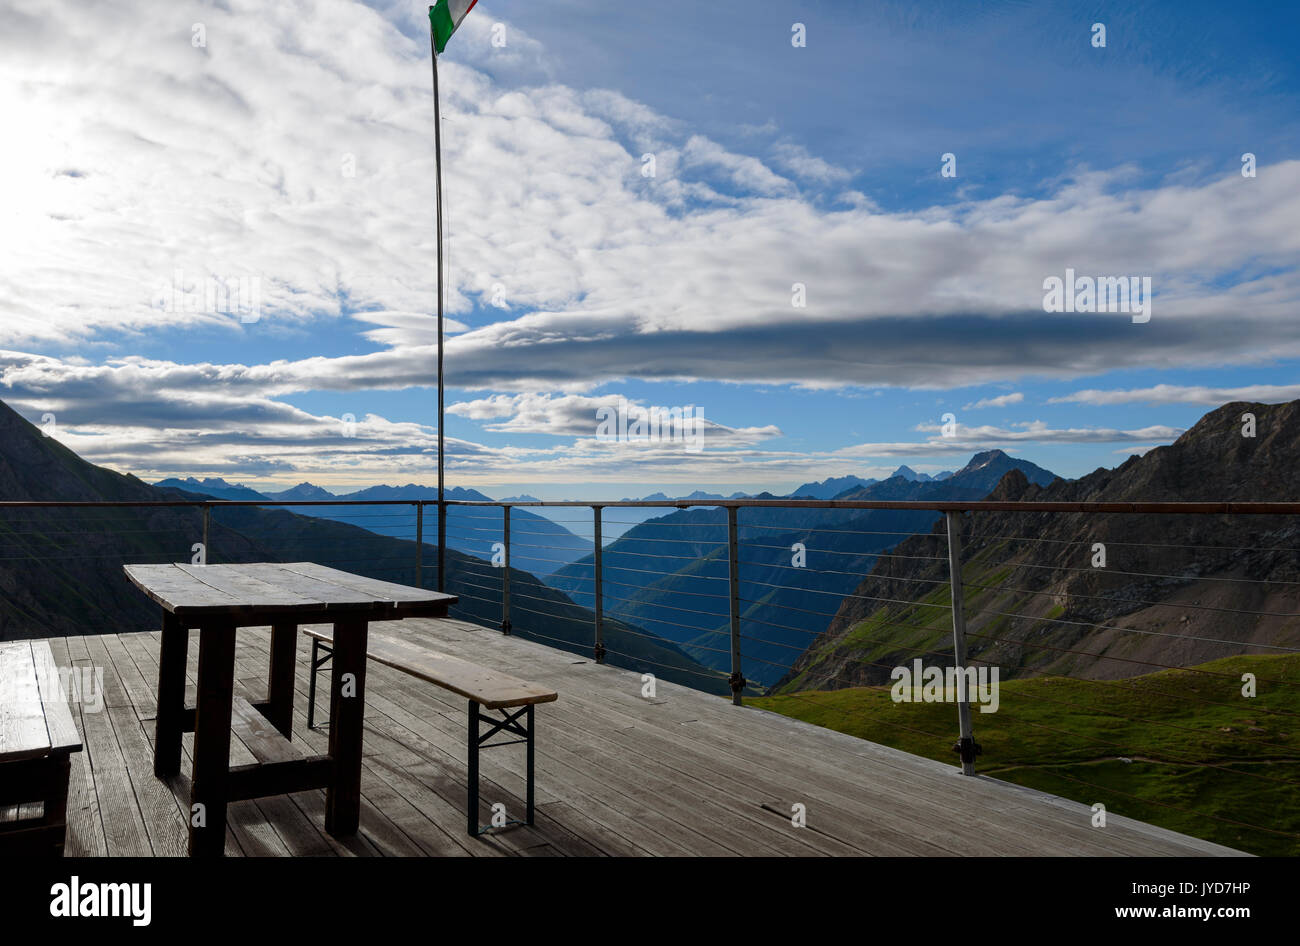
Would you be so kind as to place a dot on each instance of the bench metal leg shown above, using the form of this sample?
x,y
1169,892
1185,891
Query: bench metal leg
x,y
510,723
529,717
473,768
317,662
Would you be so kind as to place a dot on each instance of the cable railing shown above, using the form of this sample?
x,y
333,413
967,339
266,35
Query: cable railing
x,y
823,609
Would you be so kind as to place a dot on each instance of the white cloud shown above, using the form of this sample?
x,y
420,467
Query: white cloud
x,y
578,416
1038,431
1001,400
1138,451
796,159
1184,394
967,438
747,173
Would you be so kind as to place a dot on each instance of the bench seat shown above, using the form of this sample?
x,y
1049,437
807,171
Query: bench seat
x,y
491,689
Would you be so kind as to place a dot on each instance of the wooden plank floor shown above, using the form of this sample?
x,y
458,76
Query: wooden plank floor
x,y
617,774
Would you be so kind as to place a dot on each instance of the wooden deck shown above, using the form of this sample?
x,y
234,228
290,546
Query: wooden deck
x,y
683,774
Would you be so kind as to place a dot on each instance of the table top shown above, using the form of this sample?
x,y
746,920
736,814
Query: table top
x,y
305,590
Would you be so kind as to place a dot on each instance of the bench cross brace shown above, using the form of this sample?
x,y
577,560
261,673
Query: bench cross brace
x,y
510,723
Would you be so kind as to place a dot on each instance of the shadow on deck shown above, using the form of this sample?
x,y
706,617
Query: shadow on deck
x,y
682,774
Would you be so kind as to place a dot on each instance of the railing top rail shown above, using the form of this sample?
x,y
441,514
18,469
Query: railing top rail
x,y
132,504
1132,508
1233,508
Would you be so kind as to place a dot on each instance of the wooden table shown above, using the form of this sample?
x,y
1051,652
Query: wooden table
x,y
217,599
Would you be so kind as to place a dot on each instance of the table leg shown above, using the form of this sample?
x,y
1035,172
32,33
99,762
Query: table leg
x,y
279,684
347,713
168,725
208,793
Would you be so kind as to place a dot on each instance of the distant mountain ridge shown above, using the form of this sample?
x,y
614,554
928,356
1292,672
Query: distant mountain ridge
x,y
303,491
215,487
548,544
219,488
698,494
831,487
979,476
836,487
907,473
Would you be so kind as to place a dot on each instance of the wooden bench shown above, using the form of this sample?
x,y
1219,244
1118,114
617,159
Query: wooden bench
x,y
37,736
483,687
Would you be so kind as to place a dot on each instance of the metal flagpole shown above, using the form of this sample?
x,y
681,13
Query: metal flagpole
x,y
437,147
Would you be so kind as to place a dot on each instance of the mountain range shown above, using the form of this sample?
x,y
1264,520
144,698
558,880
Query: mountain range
x,y
538,544
1172,591
834,487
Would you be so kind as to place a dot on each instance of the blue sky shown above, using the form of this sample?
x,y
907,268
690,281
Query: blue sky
x,y
290,147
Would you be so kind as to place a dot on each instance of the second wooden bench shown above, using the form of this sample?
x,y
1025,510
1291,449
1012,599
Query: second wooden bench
x,y
484,688
37,736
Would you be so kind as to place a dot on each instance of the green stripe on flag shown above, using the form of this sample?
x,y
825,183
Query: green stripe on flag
x,y
445,16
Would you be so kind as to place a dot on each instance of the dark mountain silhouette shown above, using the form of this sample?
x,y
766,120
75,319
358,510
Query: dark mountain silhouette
x,y
839,487
1036,603
907,473
697,494
61,569
303,491
831,487
215,487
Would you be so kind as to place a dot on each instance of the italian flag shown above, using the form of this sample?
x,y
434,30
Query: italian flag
x,y
445,16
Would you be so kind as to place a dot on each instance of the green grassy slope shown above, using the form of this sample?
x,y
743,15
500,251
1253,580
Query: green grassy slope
x,y
1183,749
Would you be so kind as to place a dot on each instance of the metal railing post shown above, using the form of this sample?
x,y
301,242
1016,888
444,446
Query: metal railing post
x,y
966,748
207,528
419,545
505,575
737,679
597,515
442,546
